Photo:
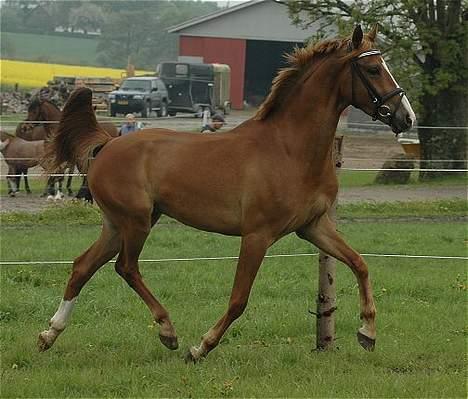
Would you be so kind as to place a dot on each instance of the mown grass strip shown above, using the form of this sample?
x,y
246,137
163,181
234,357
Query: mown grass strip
x,y
78,213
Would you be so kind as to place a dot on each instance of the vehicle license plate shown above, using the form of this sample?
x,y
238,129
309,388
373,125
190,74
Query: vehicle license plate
x,y
122,102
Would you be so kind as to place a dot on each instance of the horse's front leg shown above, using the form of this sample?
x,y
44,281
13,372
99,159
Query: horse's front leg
x,y
26,182
323,234
12,181
253,249
49,190
71,170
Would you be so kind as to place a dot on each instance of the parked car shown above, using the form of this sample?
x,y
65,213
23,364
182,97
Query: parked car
x,y
142,94
195,87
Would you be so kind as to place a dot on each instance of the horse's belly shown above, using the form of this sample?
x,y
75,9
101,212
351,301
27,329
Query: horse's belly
x,y
203,215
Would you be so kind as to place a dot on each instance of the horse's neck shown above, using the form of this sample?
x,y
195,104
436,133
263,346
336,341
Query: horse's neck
x,y
51,113
307,122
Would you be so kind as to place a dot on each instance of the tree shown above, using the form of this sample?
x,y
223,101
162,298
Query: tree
x,y
124,35
139,30
87,16
426,42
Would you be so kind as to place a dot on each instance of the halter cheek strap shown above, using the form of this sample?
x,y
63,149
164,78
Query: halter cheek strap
x,y
380,108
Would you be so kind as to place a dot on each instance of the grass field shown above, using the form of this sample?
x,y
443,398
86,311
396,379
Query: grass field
x,y
46,48
111,349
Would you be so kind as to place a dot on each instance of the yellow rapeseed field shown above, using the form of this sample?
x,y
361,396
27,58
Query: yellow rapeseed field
x,y
36,74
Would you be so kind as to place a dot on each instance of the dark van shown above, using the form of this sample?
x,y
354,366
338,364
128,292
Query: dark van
x,y
142,94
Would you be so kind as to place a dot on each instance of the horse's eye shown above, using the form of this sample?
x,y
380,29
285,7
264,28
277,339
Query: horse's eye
x,y
373,71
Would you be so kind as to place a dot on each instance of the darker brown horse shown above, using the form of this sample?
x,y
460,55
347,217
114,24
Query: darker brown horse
x,y
268,177
40,114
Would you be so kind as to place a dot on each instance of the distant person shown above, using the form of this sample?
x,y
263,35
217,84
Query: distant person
x,y
131,125
217,122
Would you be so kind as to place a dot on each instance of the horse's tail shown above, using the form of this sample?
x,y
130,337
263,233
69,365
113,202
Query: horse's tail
x,y
78,134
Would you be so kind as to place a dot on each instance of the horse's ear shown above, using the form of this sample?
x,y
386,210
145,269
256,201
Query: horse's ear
x,y
357,37
373,33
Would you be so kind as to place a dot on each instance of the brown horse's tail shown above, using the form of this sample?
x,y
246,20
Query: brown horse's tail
x,y
78,134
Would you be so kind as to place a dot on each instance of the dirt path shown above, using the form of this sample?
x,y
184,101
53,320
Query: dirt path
x,y
33,203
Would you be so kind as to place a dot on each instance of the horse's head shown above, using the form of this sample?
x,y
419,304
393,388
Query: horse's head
x,y
34,110
373,89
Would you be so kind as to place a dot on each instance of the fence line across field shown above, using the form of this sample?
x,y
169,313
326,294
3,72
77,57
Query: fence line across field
x,y
350,124
348,169
213,258
344,159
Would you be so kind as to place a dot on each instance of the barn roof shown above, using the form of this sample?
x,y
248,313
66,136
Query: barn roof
x,y
256,20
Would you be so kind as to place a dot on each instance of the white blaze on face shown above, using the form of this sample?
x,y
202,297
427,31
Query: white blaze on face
x,y
404,101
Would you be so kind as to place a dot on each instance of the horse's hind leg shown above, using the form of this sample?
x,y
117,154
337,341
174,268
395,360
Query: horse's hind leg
x,y
103,250
323,234
134,237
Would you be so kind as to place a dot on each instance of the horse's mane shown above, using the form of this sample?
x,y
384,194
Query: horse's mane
x,y
36,102
78,134
299,62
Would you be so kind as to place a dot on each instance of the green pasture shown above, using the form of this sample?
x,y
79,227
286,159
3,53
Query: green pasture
x,y
52,49
111,348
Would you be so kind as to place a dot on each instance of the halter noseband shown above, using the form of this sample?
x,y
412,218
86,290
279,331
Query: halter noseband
x,y
380,108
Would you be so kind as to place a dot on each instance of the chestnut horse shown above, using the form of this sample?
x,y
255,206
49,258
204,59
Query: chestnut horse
x,y
270,176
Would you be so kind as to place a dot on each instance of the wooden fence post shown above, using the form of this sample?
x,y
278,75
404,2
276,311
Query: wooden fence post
x,y
326,297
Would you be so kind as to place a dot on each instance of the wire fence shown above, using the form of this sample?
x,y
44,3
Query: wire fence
x,y
43,175
350,125
222,258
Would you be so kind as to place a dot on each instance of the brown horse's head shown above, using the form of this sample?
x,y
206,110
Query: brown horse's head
x,y
34,114
373,89
34,110
344,72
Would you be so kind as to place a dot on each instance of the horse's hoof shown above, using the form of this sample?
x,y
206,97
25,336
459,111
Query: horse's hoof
x,y
70,193
43,342
190,357
169,342
367,343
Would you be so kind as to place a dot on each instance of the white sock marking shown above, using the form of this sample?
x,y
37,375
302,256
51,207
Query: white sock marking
x,y
60,318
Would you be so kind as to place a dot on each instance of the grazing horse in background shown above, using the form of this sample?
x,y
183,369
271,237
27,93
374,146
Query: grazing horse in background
x,y
20,155
270,176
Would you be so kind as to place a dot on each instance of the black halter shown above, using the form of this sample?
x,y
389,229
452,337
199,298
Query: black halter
x,y
380,109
